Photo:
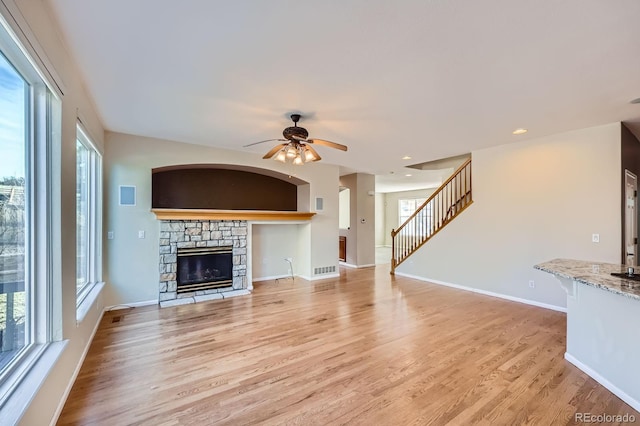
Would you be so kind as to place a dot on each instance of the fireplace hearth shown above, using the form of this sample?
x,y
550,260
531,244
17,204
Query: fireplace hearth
x,y
204,268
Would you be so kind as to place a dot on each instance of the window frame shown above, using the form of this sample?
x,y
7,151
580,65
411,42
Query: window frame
x,y
22,376
425,218
94,243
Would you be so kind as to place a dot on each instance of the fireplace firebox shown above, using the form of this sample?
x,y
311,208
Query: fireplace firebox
x,y
204,268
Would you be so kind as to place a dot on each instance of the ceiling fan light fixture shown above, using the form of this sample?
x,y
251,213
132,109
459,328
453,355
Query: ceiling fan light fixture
x,y
298,161
309,155
281,156
295,147
292,151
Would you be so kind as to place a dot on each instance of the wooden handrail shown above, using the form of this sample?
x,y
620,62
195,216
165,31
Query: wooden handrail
x,y
432,196
446,202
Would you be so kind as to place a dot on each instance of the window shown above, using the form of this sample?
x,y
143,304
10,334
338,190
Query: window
x,y
407,207
14,262
30,118
88,215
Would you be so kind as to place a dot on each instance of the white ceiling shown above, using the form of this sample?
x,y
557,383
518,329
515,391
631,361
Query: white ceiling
x,y
428,79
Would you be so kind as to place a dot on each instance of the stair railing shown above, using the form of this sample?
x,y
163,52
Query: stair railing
x,y
447,202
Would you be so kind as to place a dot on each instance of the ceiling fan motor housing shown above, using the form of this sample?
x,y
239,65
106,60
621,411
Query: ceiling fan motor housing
x,y
299,132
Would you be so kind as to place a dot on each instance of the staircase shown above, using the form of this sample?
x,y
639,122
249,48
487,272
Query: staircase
x,y
447,202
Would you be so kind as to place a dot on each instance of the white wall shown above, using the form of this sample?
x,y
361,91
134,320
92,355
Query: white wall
x,y
391,208
366,219
271,244
35,20
132,268
533,201
380,222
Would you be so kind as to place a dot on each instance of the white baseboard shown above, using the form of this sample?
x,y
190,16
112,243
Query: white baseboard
x,y
271,277
604,382
349,265
319,277
131,305
486,293
74,376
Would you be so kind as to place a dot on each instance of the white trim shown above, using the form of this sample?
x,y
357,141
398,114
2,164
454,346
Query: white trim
x,y
486,293
88,301
349,265
322,277
131,305
604,382
40,365
74,376
23,34
272,277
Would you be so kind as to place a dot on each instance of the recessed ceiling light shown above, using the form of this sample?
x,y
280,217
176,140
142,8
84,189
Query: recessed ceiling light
x,y
636,101
406,157
408,175
520,131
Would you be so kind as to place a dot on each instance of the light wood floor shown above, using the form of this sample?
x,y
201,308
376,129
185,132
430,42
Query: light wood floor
x,y
366,349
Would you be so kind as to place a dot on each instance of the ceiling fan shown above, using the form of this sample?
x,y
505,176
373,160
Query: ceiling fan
x,y
298,147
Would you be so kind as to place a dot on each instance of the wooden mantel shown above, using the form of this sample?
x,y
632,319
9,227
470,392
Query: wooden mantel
x,y
203,214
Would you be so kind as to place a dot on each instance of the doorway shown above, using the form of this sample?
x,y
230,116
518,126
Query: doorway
x,y
630,218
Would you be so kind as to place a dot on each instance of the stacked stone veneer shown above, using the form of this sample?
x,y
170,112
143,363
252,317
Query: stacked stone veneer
x,y
177,234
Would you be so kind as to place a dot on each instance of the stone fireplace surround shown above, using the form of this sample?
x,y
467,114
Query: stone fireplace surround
x,y
175,234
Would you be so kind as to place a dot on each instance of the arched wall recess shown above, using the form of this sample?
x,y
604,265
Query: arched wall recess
x,y
223,187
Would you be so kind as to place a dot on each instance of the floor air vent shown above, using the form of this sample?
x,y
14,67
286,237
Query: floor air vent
x,y
324,270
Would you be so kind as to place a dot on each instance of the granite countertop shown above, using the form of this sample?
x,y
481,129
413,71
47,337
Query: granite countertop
x,y
594,274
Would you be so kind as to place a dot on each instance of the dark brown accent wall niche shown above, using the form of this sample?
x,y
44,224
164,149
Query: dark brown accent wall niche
x,y
202,187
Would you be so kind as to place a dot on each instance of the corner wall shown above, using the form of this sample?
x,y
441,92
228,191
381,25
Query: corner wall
x,y
533,201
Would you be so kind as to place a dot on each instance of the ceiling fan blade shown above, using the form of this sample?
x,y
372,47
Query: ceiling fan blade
x,y
274,150
314,152
327,143
267,140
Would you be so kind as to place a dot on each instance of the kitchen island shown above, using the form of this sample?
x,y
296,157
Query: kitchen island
x,y
603,323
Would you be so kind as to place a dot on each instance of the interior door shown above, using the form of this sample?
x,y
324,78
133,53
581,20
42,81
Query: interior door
x,y
630,218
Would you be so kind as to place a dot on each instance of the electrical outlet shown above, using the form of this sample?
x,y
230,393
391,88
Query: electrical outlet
x,y
141,234
532,284
288,259
595,238
109,235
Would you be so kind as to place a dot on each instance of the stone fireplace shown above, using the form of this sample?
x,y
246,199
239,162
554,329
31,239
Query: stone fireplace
x,y
202,260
